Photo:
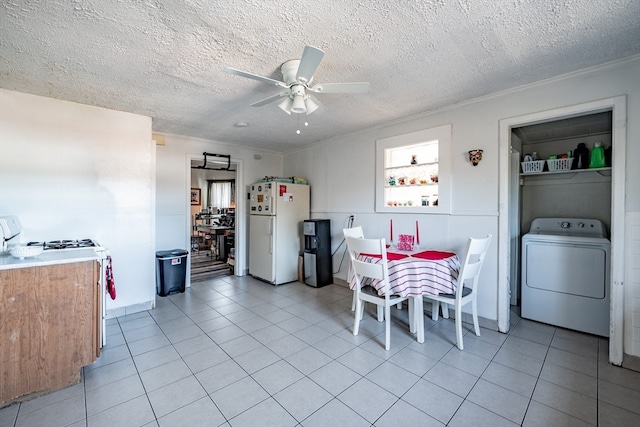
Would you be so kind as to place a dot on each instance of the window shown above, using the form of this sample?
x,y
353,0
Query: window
x,y
413,172
221,194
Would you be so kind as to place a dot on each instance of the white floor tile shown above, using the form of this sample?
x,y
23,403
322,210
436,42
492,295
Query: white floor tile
x,y
401,414
335,413
575,404
175,395
470,414
367,399
277,377
134,412
433,400
501,401
238,397
302,398
202,412
267,413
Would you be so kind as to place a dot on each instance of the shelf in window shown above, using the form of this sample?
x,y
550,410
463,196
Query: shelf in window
x,y
429,184
417,165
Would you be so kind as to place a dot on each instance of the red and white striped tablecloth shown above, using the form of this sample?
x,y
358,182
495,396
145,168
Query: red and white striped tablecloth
x,y
425,273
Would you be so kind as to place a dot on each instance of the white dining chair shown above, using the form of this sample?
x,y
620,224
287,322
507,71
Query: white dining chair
x,y
353,232
467,290
364,272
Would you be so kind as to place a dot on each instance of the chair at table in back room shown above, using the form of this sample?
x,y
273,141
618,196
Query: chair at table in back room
x,y
467,290
353,232
365,271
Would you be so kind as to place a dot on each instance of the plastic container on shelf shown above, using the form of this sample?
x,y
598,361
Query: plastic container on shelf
x,y
597,156
557,165
581,156
535,166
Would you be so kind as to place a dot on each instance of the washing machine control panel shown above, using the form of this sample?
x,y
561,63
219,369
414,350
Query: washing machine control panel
x,y
569,226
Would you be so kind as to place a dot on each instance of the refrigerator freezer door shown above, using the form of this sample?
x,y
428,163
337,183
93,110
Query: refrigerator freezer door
x,y
261,249
262,198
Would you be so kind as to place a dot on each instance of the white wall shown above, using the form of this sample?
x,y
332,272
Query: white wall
x,y
341,171
70,171
174,180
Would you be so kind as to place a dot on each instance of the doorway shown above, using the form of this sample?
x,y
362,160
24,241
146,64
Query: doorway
x,y
212,221
508,229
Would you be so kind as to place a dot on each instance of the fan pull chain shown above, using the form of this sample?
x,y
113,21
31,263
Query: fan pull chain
x,y
298,132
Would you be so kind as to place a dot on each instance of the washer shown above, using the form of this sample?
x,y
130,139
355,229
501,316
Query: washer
x,y
565,274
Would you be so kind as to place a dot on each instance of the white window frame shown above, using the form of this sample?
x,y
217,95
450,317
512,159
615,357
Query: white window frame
x,y
441,134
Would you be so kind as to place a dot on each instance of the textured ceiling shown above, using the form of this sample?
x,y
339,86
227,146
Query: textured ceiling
x,y
165,58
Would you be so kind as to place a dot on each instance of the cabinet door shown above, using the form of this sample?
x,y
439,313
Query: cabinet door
x,y
48,330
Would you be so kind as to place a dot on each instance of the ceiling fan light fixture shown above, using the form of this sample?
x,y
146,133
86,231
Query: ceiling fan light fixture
x,y
286,105
298,105
311,106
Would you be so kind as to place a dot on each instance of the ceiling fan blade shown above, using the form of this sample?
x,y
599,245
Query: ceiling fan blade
x,y
311,57
353,87
270,99
254,77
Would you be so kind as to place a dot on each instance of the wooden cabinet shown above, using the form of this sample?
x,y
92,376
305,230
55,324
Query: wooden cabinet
x,y
49,327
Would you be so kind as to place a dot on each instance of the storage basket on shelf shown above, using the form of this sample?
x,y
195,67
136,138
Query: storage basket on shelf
x,y
533,166
556,165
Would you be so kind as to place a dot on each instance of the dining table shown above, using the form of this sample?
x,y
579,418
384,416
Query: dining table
x,y
415,273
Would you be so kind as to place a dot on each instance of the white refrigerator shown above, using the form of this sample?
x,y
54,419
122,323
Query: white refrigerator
x,y
276,213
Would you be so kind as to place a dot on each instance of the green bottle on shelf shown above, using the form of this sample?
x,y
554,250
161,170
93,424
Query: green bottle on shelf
x,y
597,156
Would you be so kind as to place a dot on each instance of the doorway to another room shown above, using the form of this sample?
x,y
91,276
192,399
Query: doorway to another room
x,y
213,220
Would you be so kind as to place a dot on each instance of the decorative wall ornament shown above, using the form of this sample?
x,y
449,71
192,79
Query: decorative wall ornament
x,y
475,156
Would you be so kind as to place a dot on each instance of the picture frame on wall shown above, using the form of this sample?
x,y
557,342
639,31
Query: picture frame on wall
x,y
195,197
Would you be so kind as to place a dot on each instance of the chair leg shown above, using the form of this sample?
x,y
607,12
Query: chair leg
x,y
412,318
435,309
357,315
353,302
445,310
418,317
400,305
387,328
458,309
476,325
381,313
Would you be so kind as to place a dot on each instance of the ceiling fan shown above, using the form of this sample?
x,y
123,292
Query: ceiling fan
x,y
297,75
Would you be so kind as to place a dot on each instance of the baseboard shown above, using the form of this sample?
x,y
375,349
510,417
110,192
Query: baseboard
x,y
130,309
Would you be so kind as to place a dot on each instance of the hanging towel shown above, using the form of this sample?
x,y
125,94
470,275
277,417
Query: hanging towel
x,y
111,285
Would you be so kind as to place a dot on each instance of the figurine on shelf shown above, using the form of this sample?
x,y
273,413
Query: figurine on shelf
x,y
414,159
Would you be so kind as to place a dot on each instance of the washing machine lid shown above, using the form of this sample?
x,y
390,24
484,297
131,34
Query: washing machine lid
x,y
574,227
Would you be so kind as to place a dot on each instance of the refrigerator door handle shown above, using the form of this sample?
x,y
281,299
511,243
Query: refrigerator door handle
x,y
271,225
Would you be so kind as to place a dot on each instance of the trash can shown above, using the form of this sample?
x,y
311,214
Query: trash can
x,y
171,271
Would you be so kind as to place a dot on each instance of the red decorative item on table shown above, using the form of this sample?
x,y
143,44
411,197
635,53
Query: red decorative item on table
x,y
406,242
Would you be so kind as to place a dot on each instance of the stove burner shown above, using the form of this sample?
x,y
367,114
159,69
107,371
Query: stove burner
x,y
65,244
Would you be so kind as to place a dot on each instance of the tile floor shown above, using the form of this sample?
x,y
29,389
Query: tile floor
x,y
238,352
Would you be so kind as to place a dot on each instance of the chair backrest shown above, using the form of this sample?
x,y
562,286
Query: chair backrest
x,y
472,263
378,270
353,232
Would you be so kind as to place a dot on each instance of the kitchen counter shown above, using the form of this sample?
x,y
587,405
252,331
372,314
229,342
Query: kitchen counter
x,y
51,257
